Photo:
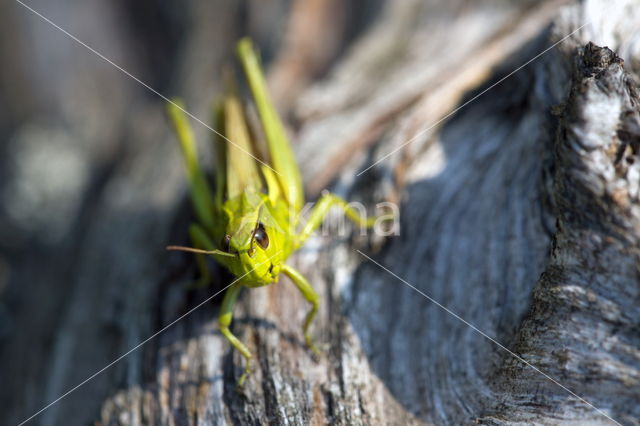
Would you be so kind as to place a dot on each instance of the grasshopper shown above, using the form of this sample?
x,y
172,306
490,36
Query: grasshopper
x,y
251,224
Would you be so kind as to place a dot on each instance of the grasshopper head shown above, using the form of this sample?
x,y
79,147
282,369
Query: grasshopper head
x,y
252,239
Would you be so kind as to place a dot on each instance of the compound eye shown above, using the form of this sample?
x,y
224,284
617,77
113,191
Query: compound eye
x,y
224,245
261,237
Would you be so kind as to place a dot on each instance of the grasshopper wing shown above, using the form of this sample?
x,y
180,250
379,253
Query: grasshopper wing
x,y
242,174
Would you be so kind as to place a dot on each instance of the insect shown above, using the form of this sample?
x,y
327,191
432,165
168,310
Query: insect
x,y
251,224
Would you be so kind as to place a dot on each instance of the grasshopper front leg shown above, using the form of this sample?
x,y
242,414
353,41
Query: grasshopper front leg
x,y
320,211
311,296
224,320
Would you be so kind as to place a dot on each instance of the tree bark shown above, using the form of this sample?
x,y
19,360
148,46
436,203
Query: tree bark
x,y
520,229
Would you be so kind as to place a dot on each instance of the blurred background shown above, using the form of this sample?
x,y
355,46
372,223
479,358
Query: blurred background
x,y
66,113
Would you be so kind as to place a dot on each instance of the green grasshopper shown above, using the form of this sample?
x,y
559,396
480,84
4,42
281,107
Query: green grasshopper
x,y
249,226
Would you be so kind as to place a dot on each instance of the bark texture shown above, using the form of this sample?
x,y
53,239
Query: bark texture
x,y
520,213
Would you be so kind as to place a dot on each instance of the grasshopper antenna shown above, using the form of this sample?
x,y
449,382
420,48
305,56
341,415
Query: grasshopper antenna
x,y
195,250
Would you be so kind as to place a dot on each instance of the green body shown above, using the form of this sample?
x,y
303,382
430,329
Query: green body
x,y
253,197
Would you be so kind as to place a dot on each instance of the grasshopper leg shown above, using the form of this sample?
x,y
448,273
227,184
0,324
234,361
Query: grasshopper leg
x,y
224,320
201,241
311,296
320,211
200,191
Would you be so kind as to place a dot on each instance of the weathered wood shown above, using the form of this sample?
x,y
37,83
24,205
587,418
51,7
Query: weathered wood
x,y
519,214
582,325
